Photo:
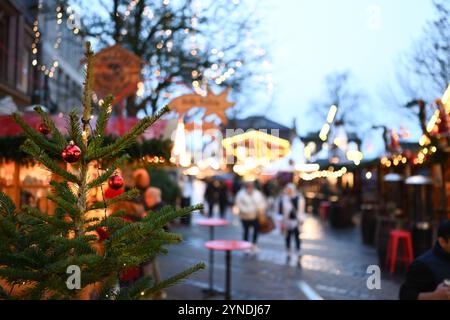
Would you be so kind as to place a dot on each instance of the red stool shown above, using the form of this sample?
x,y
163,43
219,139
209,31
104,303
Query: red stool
x,y
391,253
324,208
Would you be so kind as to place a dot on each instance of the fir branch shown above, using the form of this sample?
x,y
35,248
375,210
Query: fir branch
x,y
107,291
171,281
92,220
167,237
128,195
111,223
167,214
7,206
5,295
7,227
69,207
26,257
88,259
37,291
33,150
74,130
81,244
89,78
137,289
54,221
127,139
150,243
34,247
57,135
17,274
104,176
128,229
62,189
102,121
39,140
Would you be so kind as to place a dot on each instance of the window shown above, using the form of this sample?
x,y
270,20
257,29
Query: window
x,y
3,45
24,72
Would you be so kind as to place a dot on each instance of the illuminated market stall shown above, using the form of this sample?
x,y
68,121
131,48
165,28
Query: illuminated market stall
x,y
28,183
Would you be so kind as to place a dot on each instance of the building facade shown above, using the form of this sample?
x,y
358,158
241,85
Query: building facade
x,y
62,50
40,55
17,77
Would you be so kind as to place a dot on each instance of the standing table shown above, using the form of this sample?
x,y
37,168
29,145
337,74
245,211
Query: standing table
x,y
212,223
228,246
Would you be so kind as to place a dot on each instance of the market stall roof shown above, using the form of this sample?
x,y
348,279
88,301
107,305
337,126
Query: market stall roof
x,y
162,129
256,144
350,165
261,123
289,162
392,177
314,137
419,180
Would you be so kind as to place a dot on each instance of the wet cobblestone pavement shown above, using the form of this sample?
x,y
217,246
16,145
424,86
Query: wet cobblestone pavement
x,y
333,266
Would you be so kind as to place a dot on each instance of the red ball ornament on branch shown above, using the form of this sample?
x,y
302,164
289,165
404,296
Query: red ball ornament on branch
x,y
44,129
103,233
71,153
115,182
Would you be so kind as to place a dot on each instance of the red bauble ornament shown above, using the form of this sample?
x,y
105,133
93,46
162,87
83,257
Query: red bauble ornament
x,y
44,129
103,233
115,182
71,153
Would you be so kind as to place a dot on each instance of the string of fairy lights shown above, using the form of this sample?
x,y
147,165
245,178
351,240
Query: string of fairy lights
x,y
47,69
73,24
427,149
218,72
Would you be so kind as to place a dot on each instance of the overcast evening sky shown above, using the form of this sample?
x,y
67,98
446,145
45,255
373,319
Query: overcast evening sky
x,y
310,39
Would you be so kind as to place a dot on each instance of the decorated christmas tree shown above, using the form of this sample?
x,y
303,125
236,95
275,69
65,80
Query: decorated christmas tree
x,y
38,249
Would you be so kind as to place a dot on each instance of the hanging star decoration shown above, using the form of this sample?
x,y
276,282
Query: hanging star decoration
x,y
117,71
214,104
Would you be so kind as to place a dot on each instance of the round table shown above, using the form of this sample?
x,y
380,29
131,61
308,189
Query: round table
x,y
228,246
212,223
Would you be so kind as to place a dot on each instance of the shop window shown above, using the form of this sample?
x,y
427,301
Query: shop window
x,y
3,44
24,74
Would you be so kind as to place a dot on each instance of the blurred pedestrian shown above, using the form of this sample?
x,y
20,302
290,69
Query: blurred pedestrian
x,y
293,211
186,188
141,181
153,201
224,195
428,277
212,195
250,203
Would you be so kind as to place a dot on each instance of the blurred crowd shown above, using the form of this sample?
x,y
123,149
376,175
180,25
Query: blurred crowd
x,y
261,209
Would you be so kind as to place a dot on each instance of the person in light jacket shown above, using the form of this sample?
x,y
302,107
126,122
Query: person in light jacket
x,y
293,211
251,203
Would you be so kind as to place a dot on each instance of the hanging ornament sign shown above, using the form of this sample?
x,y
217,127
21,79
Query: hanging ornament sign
x,y
117,71
213,104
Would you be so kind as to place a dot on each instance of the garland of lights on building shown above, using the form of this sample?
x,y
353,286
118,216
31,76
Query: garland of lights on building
x,y
429,141
218,72
50,69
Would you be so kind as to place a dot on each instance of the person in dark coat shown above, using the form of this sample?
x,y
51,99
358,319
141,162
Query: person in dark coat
x,y
428,277
212,195
223,199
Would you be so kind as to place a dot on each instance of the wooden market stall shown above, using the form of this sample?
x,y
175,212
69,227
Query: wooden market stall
x,y
27,182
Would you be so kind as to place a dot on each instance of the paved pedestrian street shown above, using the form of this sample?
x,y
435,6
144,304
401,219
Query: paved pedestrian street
x,y
333,265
